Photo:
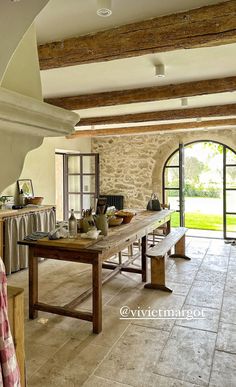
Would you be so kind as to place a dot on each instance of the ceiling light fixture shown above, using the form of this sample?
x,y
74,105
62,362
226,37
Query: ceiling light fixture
x,y
104,8
184,101
160,71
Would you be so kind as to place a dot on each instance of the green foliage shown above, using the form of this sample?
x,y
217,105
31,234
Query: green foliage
x,y
200,190
204,221
193,169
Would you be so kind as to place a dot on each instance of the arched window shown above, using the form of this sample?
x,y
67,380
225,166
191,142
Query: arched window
x,y
199,183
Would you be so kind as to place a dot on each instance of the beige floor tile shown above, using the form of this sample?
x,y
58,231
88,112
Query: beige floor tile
x,y
233,251
232,263
188,355
51,329
228,313
216,262
133,357
70,366
209,322
178,288
224,370
96,381
46,333
210,275
36,355
61,351
196,252
166,310
230,285
181,277
163,381
186,265
219,250
226,338
206,294
137,298
113,327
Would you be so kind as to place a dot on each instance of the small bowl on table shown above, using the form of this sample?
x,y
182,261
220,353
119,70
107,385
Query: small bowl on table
x,y
36,200
115,221
126,215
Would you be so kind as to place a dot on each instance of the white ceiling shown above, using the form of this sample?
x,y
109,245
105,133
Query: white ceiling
x,y
62,19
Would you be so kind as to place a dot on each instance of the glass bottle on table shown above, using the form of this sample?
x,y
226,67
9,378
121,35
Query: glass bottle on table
x,y
72,225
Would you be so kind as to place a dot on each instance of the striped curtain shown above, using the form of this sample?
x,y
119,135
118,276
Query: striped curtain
x,y
16,228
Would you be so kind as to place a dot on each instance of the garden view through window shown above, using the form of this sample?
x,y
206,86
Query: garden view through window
x,y
208,187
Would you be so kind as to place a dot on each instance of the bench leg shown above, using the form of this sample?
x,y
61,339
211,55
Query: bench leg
x,y
180,250
158,275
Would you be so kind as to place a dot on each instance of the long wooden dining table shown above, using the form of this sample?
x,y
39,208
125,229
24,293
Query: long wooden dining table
x,y
95,253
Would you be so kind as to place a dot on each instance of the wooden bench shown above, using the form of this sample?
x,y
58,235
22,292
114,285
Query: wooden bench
x,y
158,253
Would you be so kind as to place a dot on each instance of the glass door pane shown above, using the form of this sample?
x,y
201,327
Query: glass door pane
x,y
171,187
181,185
229,193
74,183
73,163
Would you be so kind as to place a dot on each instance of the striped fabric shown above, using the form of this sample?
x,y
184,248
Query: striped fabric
x,y
9,371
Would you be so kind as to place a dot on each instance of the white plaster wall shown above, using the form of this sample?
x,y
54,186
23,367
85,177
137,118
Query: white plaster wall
x,y
23,74
15,20
40,166
132,165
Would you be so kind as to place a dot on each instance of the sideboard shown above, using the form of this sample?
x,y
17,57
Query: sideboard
x,y
15,298
15,225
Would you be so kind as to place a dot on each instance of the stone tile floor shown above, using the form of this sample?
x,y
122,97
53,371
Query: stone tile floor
x,y
62,351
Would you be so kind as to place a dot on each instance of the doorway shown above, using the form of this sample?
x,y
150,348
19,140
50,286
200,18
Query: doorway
x,y
77,182
199,183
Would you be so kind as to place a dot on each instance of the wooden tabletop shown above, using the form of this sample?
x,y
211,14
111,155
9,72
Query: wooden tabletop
x,y
141,224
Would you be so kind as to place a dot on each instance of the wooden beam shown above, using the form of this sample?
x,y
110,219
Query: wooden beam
x,y
162,115
146,94
203,27
152,128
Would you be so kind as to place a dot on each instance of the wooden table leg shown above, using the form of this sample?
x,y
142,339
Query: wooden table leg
x,y
144,259
33,284
97,296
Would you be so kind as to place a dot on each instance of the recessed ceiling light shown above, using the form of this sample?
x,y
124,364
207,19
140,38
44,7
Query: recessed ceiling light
x,y
160,70
104,8
184,101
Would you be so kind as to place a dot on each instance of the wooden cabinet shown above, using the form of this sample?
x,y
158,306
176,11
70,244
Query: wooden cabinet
x,y
15,298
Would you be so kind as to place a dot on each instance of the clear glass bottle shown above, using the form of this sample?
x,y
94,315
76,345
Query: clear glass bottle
x,y
21,198
72,225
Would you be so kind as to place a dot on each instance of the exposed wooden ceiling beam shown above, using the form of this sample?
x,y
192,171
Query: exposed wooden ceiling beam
x,y
152,128
203,27
146,94
178,114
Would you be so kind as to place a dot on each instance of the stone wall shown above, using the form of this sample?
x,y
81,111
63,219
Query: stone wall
x,y
132,165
